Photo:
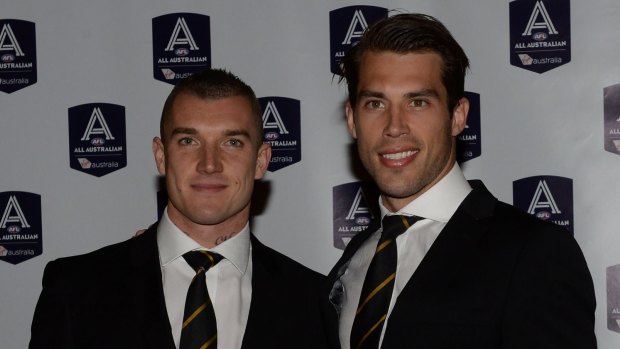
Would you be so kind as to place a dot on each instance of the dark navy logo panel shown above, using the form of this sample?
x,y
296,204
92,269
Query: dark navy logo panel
x,y
468,143
97,141
546,197
181,46
346,26
613,298
281,128
612,118
20,226
355,207
18,55
540,37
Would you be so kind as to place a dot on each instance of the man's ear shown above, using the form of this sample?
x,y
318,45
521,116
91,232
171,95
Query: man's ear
x,y
459,116
350,120
160,155
262,160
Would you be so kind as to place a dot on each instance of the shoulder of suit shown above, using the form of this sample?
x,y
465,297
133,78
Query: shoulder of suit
x,y
516,226
508,221
280,264
105,258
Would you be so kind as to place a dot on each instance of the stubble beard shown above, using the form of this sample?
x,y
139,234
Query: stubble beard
x,y
409,183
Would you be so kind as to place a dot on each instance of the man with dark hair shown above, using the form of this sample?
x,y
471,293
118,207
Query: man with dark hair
x,y
197,278
448,266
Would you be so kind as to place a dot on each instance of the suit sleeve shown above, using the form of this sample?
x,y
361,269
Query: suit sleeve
x,y
51,327
551,303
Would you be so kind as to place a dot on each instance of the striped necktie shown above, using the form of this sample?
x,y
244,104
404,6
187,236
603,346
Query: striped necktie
x,y
378,285
199,329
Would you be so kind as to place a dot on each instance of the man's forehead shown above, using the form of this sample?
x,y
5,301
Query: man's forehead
x,y
408,74
373,62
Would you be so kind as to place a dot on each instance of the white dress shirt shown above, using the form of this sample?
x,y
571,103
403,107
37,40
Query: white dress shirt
x,y
229,282
436,205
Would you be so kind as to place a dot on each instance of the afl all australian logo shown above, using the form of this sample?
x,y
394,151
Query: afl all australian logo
x,y
611,109
346,26
540,37
355,207
468,142
181,46
613,298
281,129
20,226
97,141
546,197
18,55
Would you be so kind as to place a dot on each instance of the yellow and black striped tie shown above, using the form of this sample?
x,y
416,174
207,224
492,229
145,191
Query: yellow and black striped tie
x,y
378,285
199,328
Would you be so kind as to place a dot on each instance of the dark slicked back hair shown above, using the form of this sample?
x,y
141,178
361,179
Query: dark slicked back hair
x,y
212,84
406,33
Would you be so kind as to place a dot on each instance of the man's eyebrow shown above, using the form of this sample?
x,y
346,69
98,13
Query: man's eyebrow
x,y
183,130
427,92
193,131
370,94
237,132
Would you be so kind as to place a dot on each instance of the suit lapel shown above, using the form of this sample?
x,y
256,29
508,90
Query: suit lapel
x,y
265,291
349,251
146,292
454,246
331,293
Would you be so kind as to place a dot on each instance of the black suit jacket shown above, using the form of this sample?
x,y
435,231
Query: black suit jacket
x,y
495,277
113,298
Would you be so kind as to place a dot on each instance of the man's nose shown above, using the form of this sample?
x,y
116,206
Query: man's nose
x,y
210,159
396,123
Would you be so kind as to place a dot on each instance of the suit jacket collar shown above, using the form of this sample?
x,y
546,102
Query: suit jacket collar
x,y
149,311
146,291
332,289
149,308
265,305
478,205
456,240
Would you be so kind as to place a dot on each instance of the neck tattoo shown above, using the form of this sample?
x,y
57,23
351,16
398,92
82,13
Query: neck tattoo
x,y
223,238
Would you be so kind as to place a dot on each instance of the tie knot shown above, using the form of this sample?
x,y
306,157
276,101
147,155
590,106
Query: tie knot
x,y
396,224
202,259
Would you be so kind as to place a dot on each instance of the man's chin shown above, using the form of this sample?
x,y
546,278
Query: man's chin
x,y
399,191
208,220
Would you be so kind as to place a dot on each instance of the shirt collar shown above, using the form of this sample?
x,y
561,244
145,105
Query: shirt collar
x,y
440,201
173,243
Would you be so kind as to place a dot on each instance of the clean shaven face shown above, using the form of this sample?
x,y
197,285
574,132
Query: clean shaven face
x,y
210,160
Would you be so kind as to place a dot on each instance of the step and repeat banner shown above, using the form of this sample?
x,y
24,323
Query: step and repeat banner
x,y
82,85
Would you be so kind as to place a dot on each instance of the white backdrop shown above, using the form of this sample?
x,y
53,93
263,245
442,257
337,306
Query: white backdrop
x,y
101,51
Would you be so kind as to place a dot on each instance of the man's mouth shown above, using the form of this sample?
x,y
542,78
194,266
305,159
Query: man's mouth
x,y
208,187
399,155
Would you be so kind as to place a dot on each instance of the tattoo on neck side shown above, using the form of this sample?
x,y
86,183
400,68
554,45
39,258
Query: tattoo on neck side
x,y
223,238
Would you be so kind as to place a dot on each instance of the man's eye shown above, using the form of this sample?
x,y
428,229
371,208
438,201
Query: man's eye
x,y
419,103
235,142
186,141
374,104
